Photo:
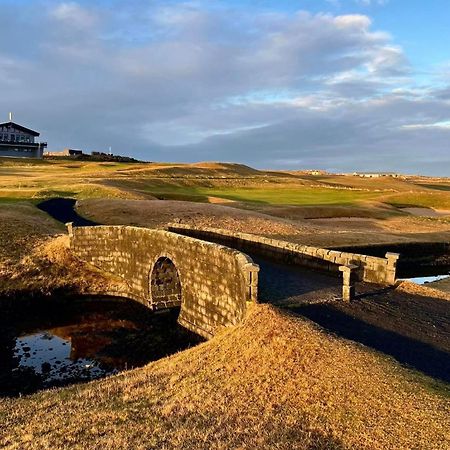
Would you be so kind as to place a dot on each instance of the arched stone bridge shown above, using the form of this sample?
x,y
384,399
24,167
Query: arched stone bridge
x,y
210,282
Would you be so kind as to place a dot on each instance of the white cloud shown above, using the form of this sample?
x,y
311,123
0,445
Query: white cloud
x,y
73,14
372,2
193,82
445,125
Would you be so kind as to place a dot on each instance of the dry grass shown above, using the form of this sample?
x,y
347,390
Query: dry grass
x,y
32,260
50,267
321,232
272,382
422,290
21,226
158,213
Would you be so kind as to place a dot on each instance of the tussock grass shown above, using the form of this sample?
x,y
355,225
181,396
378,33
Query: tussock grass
x,y
157,214
21,226
274,381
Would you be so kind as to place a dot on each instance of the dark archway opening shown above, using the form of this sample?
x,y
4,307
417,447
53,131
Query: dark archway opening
x,y
165,285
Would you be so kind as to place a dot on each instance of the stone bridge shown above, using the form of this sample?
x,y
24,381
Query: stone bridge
x,y
212,283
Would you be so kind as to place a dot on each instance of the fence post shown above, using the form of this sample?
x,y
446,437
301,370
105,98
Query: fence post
x,y
349,277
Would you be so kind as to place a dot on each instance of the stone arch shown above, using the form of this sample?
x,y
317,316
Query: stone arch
x,y
165,283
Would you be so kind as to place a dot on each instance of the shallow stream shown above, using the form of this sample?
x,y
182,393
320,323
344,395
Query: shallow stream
x,y
69,341
429,279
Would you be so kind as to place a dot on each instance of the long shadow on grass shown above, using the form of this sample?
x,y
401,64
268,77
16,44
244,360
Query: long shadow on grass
x,y
410,352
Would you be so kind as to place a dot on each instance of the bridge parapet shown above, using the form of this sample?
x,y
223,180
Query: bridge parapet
x,y
368,268
212,283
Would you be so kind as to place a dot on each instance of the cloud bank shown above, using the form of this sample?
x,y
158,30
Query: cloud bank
x,y
205,81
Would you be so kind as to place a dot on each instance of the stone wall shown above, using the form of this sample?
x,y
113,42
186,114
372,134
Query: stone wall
x,y
418,258
210,282
368,268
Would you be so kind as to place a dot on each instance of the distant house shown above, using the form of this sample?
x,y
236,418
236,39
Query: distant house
x,y
19,142
375,174
65,152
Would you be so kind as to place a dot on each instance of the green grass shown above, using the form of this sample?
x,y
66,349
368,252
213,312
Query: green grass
x,y
301,195
437,200
88,179
437,187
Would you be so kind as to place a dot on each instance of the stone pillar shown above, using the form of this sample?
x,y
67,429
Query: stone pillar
x,y
251,272
349,278
69,226
392,259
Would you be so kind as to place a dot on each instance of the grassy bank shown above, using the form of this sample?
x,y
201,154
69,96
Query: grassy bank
x,y
273,382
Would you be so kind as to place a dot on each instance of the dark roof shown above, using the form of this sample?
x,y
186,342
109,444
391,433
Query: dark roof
x,y
19,127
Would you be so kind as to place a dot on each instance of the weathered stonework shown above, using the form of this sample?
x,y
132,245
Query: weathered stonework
x,y
348,281
210,282
368,268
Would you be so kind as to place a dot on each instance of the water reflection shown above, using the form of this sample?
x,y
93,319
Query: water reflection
x,y
75,340
53,358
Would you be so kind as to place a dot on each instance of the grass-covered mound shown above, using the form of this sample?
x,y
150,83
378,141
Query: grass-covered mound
x,y
274,381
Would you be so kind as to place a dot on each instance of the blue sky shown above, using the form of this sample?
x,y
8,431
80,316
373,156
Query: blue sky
x,y
341,85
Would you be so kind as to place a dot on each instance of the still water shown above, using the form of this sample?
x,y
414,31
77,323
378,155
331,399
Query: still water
x,y
69,341
429,279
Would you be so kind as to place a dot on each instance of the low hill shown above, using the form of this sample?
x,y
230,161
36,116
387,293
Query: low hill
x,y
274,381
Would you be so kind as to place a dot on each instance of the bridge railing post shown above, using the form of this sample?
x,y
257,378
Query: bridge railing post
x,y
251,274
349,278
392,259
69,226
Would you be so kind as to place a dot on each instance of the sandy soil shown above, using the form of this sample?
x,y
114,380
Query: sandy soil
x,y
158,213
320,232
427,212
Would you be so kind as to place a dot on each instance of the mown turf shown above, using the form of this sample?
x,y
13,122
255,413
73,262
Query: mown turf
x,y
23,179
436,200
